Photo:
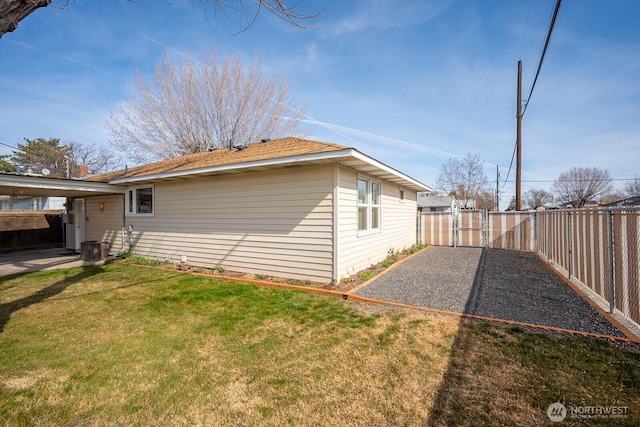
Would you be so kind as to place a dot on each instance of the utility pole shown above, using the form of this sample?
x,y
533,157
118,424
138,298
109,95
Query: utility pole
x,y
497,188
519,140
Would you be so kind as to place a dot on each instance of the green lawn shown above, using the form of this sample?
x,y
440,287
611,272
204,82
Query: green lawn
x,y
120,345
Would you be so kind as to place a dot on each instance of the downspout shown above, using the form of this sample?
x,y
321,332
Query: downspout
x,y
124,222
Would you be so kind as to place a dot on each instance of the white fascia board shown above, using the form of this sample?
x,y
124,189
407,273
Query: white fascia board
x,y
410,181
303,158
41,183
238,166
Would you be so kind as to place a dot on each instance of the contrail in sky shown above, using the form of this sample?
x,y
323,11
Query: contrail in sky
x,y
344,131
77,61
151,39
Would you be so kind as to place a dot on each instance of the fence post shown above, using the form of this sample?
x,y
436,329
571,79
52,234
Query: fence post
x,y
454,228
534,218
612,301
569,244
419,228
485,228
549,223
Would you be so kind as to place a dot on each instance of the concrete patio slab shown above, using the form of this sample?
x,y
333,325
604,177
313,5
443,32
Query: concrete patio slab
x,y
38,260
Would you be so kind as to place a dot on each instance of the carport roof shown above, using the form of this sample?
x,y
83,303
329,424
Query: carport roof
x,y
26,185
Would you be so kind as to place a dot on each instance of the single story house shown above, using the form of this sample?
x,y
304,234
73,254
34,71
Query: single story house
x,y
628,202
36,203
590,204
290,207
427,203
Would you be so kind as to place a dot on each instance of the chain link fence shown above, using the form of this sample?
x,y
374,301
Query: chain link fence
x,y
600,248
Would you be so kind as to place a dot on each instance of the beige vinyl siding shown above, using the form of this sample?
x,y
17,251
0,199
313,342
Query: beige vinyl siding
x,y
276,223
359,250
105,225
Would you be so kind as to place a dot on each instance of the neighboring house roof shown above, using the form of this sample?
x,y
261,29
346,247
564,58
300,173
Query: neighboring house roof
x,y
569,205
285,152
629,201
435,201
444,201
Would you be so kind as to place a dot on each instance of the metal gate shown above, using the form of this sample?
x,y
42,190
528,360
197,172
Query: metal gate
x,y
470,228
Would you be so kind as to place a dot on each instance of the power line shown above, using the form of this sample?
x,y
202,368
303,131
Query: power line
x,y
552,24
510,165
526,24
576,180
7,145
544,51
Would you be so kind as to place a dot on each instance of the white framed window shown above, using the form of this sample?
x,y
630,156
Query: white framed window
x,y
369,200
401,196
139,201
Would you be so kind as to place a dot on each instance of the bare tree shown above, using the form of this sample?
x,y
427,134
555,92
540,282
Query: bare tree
x,y
610,197
537,198
632,187
14,11
97,159
197,106
486,200
463,178
579,185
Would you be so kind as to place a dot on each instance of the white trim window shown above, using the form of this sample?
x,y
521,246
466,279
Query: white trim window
x,y
369,196
139,201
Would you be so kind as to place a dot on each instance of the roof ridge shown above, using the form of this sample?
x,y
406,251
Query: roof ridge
x,y
271,149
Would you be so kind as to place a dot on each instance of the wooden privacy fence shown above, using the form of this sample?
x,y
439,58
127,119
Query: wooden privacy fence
x,y
598,248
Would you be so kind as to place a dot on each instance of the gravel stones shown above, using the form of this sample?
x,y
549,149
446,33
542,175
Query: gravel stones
x,y
497,283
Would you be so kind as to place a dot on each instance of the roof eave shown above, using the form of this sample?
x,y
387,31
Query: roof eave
x,y
402,179
337,156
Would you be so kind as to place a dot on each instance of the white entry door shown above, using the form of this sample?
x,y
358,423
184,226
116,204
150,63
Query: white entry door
x,y
79,216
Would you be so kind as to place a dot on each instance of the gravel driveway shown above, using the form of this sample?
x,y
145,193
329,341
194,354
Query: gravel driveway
x,y
496,283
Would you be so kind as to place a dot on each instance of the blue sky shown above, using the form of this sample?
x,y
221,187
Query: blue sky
x,y
410,83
